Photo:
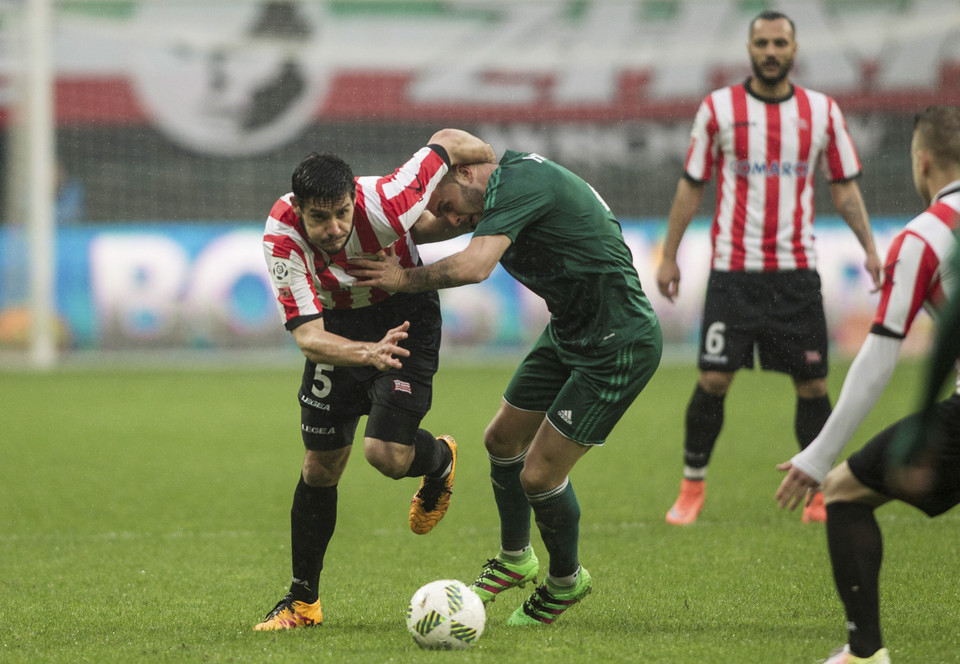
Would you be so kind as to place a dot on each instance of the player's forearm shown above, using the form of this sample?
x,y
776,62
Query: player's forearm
x,y
429,228
328,348
849,204
448,272
685,204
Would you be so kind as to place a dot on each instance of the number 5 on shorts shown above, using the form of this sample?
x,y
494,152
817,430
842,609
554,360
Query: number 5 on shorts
x,y
321,383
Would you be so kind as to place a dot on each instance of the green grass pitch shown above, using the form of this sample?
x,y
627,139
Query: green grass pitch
x,y
144,518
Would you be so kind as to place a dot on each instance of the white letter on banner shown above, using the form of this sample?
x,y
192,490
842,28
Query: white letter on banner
x,y
231,301
137,280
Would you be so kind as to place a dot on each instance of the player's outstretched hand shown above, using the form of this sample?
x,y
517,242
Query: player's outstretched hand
x,y
385,353
668,278
382,270
796,486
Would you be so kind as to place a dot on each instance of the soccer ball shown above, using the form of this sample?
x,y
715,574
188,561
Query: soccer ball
x,y
445,615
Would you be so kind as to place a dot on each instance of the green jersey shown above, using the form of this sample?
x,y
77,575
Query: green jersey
x,y
568,248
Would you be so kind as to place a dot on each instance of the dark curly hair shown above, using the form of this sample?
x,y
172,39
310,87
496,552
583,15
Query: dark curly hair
x,y
323,179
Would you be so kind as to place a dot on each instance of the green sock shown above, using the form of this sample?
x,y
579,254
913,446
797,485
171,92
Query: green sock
x,y
558,518
511,501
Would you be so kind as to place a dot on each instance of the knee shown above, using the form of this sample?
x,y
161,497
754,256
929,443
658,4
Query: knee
x,y
390,462
315,477
830,486
500,445
840,485
537,478
533,481
715,382
811,389
316,473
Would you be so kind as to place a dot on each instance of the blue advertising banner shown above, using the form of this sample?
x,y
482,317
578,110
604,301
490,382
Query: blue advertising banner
x,y
196,286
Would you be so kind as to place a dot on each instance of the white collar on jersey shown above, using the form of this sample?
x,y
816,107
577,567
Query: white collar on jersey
x,y
951,188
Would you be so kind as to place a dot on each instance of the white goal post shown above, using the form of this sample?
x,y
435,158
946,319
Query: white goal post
x,y
36,107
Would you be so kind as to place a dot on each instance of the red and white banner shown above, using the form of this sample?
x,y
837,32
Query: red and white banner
x,y
239,77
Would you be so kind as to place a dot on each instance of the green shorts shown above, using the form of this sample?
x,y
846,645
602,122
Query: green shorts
x,y
583,396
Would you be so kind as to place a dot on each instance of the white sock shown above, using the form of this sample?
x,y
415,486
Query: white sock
x,y
516,555
564,581
694,473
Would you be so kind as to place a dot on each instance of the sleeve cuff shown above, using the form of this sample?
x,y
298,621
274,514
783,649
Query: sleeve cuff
x,y
296,322
802,464
442,151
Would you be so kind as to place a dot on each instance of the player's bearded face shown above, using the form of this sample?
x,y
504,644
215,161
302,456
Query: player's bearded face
x,y
458,204
328,225
770,69
772,50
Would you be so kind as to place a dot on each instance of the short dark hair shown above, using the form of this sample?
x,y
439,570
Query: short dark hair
x,y
323,179
939,130
772,15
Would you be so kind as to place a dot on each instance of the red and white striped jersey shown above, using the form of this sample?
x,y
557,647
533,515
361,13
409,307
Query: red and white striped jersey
x,y
306,280
914,272
765,154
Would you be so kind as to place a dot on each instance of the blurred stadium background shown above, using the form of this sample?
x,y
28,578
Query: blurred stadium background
x,y
143,142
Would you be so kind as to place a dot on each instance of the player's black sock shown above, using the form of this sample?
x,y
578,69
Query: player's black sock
x,y
313,518
811,415
557,513
430,456
856,553
704,422
512,503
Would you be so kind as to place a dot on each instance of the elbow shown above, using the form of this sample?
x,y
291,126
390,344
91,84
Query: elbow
x,y
445,137
489,154
308,352
476,274
307,342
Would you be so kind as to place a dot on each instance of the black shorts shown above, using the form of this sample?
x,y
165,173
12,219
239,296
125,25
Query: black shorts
x,y
869,464
332,399
778,313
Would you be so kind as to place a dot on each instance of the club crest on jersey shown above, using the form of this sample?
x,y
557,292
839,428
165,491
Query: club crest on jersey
x,y
402,386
